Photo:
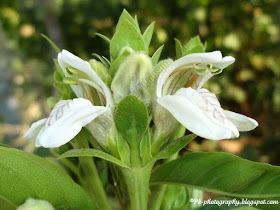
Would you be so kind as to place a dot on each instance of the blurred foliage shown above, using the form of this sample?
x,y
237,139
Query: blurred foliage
x,y
247,30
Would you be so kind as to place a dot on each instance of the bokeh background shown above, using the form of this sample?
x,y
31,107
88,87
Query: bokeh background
x,y
247,30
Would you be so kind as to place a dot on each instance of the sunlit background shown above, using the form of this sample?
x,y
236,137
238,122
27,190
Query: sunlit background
x,y
247,30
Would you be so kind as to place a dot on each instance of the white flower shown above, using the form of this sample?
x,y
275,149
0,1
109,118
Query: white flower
x,y
86,76
69,116
64,122
198,109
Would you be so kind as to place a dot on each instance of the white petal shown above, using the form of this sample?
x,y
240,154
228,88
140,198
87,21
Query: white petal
x,y
195,58
34,130
65,59
201,80
242,122
228,60
66,120
78,90
76,62
200,112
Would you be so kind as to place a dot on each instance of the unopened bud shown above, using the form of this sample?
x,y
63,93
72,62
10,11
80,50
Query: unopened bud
x,y
134,76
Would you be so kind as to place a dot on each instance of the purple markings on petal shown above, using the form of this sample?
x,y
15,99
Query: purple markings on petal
x,y
58,111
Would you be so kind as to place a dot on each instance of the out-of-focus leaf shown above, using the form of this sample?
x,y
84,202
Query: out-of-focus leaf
x,y
221,173
24,175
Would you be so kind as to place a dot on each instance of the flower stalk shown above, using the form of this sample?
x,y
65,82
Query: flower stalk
x,y
137,182
90,179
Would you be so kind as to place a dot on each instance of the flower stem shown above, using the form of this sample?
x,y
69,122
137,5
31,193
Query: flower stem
x,y
92,183
137,182
157,197
89,177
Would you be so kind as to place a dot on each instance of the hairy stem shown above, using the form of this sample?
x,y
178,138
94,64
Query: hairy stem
x,y
137,182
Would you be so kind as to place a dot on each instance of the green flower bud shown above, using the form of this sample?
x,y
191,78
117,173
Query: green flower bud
x,y
34,204
134,77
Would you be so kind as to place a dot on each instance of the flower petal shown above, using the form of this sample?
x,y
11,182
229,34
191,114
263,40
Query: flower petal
x,y
66,59
66,120
34,130
228,60
195,58
200,112
242,122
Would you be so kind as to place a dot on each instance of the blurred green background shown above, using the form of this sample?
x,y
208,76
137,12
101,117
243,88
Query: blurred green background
x,y
247,30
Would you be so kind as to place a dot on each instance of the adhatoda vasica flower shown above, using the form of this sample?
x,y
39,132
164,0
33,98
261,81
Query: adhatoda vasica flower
x,y
171,91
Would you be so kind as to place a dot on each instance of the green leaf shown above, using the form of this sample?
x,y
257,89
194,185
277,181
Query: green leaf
x,y
92,153
55,47
194,45
175,197
221,173
105,38
25,175
147,36
115,65
6,204
157,54
5,145
174,146
126,35
131,117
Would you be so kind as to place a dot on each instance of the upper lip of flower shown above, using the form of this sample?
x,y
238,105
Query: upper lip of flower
x,y
67,59
211,60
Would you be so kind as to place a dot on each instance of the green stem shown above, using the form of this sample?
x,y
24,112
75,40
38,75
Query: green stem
x,y
159,191
157,197
137,182
90,178
92,183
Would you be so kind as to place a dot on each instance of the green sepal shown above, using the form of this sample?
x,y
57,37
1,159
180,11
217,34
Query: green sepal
x,y
105,38
131,117
55,47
